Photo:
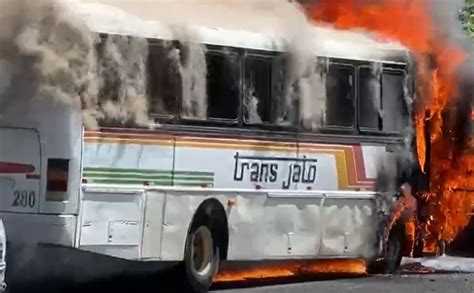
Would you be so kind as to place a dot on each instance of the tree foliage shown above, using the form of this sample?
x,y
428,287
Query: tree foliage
x,y
467,17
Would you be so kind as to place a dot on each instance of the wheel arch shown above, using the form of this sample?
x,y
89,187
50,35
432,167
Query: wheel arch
x,y
211,212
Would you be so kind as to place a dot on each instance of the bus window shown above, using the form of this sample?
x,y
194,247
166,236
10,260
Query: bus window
x,y
393,101
223,92
370,101
164,79
285,105
381,100
258,90
340,96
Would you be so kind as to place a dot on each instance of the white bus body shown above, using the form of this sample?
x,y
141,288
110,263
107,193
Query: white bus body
x,y
133,193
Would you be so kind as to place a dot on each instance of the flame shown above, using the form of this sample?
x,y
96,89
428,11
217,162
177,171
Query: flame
x,y
451,163
293,269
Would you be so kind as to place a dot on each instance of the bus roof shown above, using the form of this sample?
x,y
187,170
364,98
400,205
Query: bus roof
x,y
327,42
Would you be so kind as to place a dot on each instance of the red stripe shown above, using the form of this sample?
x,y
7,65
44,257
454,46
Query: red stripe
x,y
33,176
361,172
15,168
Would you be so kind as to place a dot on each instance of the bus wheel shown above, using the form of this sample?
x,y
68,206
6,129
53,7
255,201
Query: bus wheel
x,y
392,257
201,260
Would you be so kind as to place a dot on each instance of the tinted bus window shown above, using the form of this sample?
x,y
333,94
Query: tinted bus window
x,y
340,110
223,88
258,90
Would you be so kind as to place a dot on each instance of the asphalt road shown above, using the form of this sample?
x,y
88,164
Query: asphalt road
x,y
414,277
442,283
413,283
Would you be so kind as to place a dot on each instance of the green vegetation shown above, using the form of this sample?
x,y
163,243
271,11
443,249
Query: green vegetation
x,y
467,17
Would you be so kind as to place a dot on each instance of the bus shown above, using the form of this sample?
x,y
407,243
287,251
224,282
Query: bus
x,y
224,186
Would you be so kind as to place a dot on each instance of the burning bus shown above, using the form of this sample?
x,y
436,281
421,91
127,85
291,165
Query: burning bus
x,y
236,149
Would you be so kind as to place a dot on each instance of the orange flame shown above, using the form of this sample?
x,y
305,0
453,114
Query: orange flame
x,y
438,60
293,269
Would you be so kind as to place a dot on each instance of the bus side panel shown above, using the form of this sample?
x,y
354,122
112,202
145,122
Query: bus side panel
x,y
153,225
111,223
350,227
275,226
261,226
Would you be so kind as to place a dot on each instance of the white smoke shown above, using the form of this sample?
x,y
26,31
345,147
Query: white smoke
x,y
123,79
45,48
193,72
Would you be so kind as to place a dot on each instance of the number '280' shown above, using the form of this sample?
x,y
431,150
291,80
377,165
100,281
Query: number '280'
x,y
24,198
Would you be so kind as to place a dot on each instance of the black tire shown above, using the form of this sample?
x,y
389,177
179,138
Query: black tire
x,y
392,258
201,259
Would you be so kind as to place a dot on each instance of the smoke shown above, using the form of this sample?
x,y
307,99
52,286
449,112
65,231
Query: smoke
x,y
47,50
123,79
191,61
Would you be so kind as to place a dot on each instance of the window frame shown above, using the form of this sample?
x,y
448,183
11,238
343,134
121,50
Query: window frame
x,y
214,51
385,68
156,117
272,56
344,129
258,55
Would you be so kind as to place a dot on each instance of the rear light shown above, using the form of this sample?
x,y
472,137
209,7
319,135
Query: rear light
x,y
57,180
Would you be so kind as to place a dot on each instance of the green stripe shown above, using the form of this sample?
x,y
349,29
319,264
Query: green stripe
x,y
154,177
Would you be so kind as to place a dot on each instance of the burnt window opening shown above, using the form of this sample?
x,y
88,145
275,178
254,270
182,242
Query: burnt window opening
x,y
340,108
370,103
285,105
395,112
382,100
164,82
223,85
258,90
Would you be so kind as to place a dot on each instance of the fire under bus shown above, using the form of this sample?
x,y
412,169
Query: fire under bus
x,y
228,187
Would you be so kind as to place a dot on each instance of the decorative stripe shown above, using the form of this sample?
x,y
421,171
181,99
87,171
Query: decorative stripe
x,y
152,177
349,158
16,168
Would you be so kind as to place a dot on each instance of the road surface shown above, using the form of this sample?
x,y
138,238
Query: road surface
x,y
442,283
424,275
